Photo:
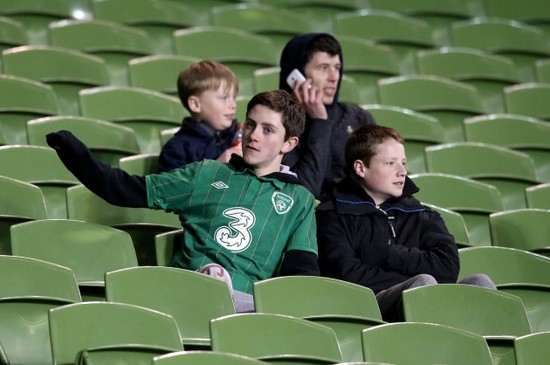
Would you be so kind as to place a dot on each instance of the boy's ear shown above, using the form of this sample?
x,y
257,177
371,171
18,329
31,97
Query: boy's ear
x,y
359,168
289,144
194,104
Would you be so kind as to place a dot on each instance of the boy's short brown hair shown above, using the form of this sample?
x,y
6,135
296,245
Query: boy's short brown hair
x,y
362,143
203,76
293,114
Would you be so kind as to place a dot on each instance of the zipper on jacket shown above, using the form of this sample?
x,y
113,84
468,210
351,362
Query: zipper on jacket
x,y
390,223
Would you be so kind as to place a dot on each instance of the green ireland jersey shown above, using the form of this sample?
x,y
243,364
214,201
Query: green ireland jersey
x,y
234,218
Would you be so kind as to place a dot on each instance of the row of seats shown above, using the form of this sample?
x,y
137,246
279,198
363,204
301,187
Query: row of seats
x,y
206,319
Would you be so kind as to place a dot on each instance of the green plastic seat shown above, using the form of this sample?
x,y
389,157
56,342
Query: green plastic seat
x,y
127,354
521,133
532,349
497,316
108,141
542,71
418,129
158,72
345,307
437,13
508,170
424,343
67,71
19,202
383,62
533,12
276,23
204,358
72,243
240,50
538,196
447,100
528,99
159,19
521,42
404,34
488,73
145,111
114,42
41,167
535,299
141,164
266,79
12,33
22,99
474,200
166,244
96,326
271,337
455,224
524,229
141,223
204,297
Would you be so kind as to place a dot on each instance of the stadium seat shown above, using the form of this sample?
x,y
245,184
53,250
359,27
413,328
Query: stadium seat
x,y
532,349
523,43
447,100
158,72
508,170
418,129
524,229
455,224
159,19
142,164
521,133
141,223
424,343
145,111
241,51
404,34
437,13
488,73
528,99
192,298
71,244
104,327
204,358
534,12
67,71
349,91
22,99
108,141
41,167
538,196
266,79
166,244
272,337
114,42
12,33
382,63
542,70
345,307
279,24
474,200
497,316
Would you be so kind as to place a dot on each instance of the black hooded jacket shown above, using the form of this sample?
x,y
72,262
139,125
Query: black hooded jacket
x,y
319,158
379,247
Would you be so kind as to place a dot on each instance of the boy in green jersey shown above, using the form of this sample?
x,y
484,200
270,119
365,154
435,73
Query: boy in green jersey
x,y
250,216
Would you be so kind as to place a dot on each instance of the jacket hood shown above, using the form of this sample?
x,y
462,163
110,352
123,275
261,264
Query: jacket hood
x,y
294,56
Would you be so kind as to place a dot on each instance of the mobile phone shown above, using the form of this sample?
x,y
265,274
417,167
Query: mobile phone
x,y
293,77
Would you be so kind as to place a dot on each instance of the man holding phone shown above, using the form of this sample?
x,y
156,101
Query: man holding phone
x,y
319,158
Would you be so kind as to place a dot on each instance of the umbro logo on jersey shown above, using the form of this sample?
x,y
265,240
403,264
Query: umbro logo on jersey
x,y
220,185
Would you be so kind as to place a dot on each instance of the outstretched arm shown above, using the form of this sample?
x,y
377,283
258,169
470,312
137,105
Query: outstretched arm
x,y
114,185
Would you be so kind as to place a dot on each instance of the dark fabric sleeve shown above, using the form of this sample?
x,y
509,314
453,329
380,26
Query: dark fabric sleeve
x,y
296,262
339,258
310,160
114,185
172,155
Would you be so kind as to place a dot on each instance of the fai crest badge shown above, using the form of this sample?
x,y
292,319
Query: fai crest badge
x,y
281,202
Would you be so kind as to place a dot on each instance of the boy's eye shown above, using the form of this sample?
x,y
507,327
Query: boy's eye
x,y
268,130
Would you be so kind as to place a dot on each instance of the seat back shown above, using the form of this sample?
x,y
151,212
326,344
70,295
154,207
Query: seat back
x,y
72,243
12,33
524,229
142,164
455,224
532,349
528,99
424,343
265,336
204,358
538,196
542,70
166,245
108,324
505,265
207,297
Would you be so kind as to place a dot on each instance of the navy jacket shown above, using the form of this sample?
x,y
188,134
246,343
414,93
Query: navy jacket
x,y
319,157
379,247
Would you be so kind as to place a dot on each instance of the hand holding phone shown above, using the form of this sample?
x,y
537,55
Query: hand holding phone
x,y
294,77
